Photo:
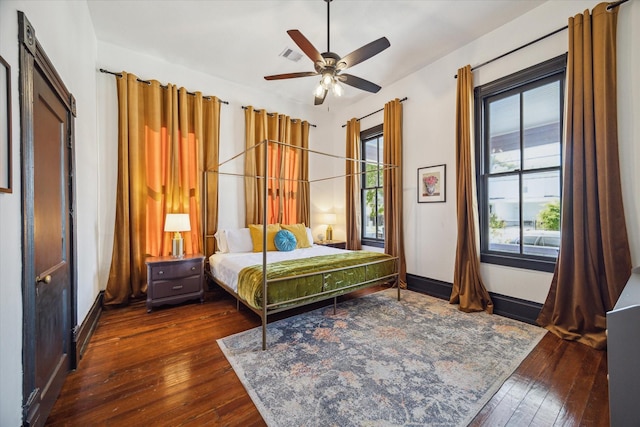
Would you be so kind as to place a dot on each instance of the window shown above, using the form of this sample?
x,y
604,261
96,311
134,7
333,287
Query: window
x,y
519,166
372,193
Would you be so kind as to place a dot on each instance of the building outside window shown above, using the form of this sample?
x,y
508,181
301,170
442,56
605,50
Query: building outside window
x,y
519,166
372,193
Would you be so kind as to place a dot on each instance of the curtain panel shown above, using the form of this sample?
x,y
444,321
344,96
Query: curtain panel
x,y
161,146
468,290
594,262
353,202
288,194
392,186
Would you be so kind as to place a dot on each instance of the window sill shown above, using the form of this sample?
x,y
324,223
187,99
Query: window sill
x,y
528,263
374,243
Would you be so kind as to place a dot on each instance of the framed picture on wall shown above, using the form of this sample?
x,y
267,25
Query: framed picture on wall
x,y
432,184
5,126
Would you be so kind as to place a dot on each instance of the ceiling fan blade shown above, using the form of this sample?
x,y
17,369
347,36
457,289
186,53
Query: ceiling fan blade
x,y
291,75
306,46
359,83
364,53
320,99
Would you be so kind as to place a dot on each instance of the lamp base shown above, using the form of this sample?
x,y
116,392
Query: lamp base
x,y
329,233
177,247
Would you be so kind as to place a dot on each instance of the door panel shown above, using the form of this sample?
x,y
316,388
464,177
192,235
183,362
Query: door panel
x,y
51,241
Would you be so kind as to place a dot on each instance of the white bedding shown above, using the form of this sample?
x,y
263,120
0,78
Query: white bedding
x,y
226,267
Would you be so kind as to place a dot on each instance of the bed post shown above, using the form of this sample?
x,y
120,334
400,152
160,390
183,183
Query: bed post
x,y
264,243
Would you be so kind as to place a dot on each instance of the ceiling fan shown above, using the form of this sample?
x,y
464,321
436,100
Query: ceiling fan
x,y
330,65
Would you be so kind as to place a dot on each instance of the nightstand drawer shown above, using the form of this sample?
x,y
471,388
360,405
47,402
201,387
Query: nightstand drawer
x,y
174,280
173,270
188,285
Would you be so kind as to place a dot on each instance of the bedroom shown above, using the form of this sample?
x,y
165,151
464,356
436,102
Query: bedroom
x,y
67,33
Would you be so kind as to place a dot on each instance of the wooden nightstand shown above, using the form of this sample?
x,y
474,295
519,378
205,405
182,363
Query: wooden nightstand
x,y
340,244
174,280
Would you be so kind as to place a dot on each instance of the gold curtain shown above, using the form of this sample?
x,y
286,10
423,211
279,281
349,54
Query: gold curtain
x,y
353,204
392,186
594,263
468,290
210,159
160,148
288,190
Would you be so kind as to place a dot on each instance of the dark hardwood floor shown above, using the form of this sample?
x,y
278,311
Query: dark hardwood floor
x,y
165,368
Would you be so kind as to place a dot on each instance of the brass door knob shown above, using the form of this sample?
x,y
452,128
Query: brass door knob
x,y
46,279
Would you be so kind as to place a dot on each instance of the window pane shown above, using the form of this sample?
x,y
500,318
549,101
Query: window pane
x,y
369,216
504,214
371,176
380,216
541,120
371,157
504,134
541,213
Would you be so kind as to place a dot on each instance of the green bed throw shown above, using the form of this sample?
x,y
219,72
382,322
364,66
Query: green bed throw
x,y
250,278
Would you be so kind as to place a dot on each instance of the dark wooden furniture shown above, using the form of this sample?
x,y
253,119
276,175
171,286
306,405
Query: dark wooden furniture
x,y
174,280
340,244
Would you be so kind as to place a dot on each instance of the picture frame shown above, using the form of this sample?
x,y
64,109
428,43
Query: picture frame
x,y
432,184
5,126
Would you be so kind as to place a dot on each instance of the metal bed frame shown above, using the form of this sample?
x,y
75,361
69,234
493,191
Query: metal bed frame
x,y
268,309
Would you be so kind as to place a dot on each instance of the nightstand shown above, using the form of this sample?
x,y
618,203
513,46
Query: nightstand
x,y
174,280
340,244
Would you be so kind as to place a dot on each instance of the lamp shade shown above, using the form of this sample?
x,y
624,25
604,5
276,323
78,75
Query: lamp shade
x,y
330,218
177,222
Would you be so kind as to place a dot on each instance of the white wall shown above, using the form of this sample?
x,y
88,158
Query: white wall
x,y
66,33
429,136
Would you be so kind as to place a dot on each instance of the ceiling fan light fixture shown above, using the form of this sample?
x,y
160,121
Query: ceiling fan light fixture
x,y
327,80
337,89
319,90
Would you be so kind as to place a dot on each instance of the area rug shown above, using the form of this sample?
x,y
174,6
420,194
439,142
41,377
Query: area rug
x,y
379,362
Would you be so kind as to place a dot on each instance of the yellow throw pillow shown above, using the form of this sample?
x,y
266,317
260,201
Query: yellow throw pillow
x,y
300,231
256,236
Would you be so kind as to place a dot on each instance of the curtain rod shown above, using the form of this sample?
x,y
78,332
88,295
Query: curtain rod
x,y
377,111
102,70
609,7
244,107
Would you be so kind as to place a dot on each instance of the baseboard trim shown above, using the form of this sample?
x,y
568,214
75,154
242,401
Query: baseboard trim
x,y
433,287
503,305
85,331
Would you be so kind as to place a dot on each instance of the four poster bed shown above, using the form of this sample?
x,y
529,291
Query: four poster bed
x,y
292,277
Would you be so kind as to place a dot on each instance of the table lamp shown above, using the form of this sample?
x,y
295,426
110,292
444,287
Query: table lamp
x,y
330,219
177,223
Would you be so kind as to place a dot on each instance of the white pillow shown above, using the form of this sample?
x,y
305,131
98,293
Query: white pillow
x,y
310,236
239,240
221,241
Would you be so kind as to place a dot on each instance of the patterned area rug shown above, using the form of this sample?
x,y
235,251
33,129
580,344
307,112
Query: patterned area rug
x,y
379,362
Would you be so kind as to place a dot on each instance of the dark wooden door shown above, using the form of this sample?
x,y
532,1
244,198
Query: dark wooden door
x,y
49,259
51,240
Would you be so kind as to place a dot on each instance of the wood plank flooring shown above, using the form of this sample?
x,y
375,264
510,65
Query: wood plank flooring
x,y
165,368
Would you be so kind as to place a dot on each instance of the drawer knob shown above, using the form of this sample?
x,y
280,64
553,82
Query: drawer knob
x,y
160,272
175,288
193,268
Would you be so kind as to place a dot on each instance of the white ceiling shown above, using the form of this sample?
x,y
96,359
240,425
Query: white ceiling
x,y
240,40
